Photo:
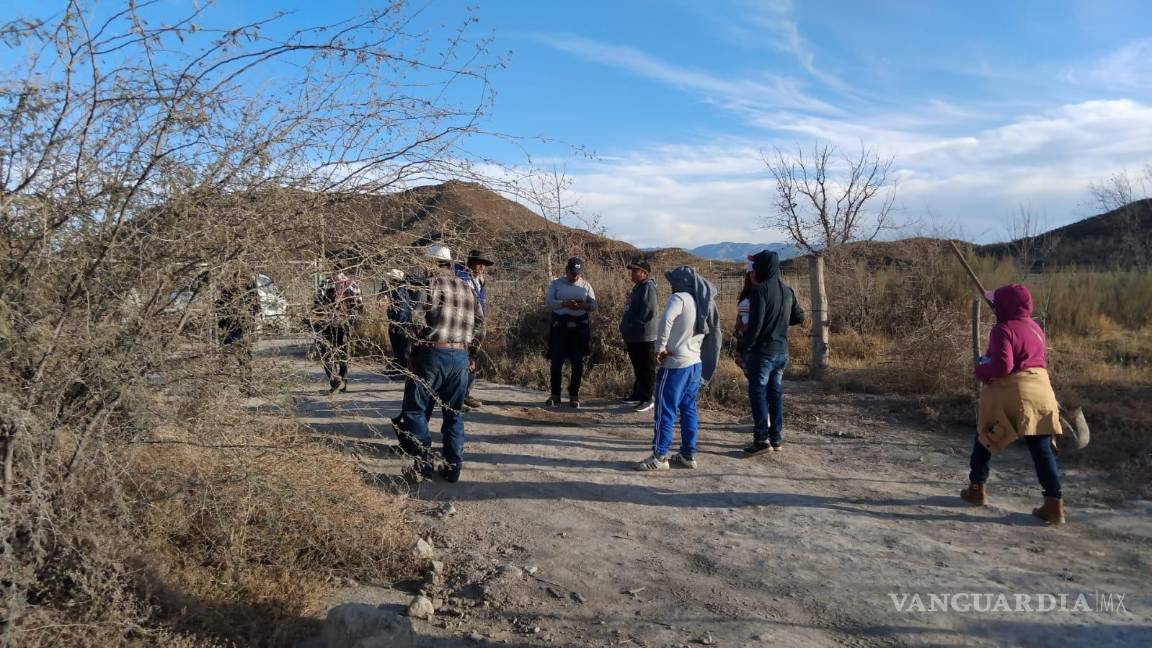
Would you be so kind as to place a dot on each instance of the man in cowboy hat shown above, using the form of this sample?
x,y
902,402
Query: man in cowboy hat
x,y
472,272
448,323
336,306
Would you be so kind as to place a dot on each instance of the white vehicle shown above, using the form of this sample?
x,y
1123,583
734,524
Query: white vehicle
x,y
273,313
273,305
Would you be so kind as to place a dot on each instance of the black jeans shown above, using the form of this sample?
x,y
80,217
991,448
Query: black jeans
x,y
643,357
335,351
236,346
401,344
570,345
1042,457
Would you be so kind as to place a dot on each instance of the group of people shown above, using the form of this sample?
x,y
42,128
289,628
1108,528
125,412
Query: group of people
x,y
436,325
674,349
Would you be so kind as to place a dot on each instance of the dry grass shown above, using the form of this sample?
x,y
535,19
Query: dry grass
x,y
228,531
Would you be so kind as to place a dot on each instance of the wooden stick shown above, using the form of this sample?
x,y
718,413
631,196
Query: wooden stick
x,y
976,331
971,274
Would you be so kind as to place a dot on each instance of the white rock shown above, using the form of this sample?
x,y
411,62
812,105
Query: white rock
x,y
365,626
424,549
421,608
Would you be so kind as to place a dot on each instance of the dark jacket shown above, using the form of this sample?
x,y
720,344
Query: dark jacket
x,y
237,307
640,316
475,281
772,308
399,305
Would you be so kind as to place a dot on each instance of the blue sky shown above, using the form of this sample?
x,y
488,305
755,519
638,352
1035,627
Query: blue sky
x,y
986,107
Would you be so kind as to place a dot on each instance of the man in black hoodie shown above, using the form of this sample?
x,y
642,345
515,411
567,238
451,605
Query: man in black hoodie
x,y
763,350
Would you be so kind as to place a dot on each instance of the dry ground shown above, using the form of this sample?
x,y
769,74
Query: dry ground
x,y
554,541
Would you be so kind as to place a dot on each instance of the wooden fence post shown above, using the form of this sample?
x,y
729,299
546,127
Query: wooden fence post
x,y
819,315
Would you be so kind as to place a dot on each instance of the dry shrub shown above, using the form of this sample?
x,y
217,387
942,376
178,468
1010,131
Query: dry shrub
x,y
253,521
163,159
228,531
934,354
1105,325
853,349
728,389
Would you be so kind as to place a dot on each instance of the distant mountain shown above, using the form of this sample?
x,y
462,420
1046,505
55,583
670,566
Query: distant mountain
x,y
729,251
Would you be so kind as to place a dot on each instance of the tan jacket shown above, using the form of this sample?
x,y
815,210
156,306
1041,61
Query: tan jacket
x,y
1020,404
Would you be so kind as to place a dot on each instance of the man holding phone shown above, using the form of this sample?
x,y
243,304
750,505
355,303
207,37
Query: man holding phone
x,y
571,299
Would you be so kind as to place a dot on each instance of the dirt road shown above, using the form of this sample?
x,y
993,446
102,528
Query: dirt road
x,y
553,540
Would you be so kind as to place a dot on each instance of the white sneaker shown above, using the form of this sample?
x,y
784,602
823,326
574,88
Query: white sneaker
x,y
653,462
684,462
644,407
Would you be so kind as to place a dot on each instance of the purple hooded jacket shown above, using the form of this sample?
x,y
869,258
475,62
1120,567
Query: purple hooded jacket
x,y
1017,341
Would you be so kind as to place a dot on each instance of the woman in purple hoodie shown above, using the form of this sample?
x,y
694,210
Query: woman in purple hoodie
x,y
1016,400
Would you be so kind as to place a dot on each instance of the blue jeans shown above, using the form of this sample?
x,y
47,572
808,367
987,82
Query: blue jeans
x,y
438,375
1042,458
676,393
765,374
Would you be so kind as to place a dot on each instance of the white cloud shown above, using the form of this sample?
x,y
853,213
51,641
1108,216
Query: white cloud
x,y
775,16
769,90
968,165
690,195
1127,68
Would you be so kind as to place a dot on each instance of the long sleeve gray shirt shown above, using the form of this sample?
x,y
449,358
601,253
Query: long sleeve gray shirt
x,y
561,290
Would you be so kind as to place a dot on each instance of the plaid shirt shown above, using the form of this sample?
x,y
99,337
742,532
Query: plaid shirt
x,y
449,312
338,299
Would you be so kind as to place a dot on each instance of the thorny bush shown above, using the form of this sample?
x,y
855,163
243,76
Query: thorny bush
x,y
146,166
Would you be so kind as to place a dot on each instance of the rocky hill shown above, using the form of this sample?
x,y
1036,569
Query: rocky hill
x,y
467,215
1119,238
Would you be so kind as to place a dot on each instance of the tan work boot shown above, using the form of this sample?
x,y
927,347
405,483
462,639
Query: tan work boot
x,y
1052,511
975,494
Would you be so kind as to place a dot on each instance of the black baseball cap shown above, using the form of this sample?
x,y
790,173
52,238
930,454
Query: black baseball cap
x,y
640,264
575,265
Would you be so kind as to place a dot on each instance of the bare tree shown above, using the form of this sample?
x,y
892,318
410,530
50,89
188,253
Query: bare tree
x,y
1029,242
550,190
139,157
1130,194
825,199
